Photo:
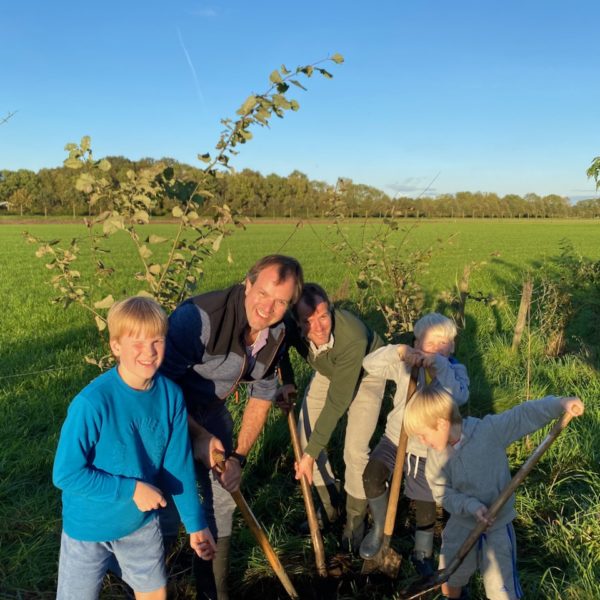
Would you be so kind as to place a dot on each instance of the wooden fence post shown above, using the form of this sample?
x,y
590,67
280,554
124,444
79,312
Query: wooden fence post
x,y
523,310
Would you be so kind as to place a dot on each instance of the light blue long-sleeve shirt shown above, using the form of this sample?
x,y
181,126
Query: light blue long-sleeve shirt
x,y
114,436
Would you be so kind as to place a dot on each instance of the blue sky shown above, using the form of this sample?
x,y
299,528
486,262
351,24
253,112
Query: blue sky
x,y
495,96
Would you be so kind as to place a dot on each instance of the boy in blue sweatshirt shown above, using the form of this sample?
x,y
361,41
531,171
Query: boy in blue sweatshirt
x,y
467,470
123,448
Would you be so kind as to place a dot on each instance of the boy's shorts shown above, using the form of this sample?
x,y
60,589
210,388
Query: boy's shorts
x,y
82,565
415,483
494,554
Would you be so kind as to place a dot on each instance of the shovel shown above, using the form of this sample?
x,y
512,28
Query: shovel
x,y
387,560
311,515
437,579
260,535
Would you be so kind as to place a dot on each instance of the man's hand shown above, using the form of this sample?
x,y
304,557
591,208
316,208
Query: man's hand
x,y
286,397
203,544
147,497
305,467
230,474
482,516
204,446
573,406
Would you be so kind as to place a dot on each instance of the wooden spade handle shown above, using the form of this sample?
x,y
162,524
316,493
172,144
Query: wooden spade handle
x,y
507,492
311,515
260,536
390,515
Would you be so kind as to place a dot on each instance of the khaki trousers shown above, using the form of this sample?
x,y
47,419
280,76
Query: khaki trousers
x,y
362,420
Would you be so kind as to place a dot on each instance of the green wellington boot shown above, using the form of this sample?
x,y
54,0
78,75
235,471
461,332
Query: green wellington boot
x,y
370,546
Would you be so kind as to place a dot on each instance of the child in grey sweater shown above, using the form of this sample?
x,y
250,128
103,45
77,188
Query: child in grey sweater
x,y
432,353
467,469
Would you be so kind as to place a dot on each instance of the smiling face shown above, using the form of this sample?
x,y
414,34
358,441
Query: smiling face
x,y
139,355
267,299
315,324
434,342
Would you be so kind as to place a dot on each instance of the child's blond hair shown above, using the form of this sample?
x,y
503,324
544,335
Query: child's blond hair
x,y
436,323
136,315
427,406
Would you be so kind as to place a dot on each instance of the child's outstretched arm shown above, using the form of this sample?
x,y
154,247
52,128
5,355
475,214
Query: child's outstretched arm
x,y
203,543
572,405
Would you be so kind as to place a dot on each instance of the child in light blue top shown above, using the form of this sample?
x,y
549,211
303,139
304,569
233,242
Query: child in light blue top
x,y
123,448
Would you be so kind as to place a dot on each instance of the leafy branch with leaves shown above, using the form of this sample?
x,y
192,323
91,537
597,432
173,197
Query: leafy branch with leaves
x,y
129,206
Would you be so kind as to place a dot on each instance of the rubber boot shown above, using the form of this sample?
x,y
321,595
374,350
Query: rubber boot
x,y
422,555
354,529
221,567
370,546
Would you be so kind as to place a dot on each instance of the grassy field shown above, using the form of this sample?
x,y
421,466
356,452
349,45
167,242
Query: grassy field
x,y
42,368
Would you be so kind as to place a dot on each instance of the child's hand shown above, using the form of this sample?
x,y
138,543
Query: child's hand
x,y
572,405
428,361
410,356
482,516
403,351
203,544
147,497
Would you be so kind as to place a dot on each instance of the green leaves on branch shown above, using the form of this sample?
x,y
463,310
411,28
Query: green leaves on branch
x,y
258,109
126,205
594,171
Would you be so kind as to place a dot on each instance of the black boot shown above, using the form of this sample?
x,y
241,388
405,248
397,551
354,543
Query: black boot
x,y
206,588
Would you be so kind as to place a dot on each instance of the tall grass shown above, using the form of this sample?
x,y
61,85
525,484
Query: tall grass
x,y
42,368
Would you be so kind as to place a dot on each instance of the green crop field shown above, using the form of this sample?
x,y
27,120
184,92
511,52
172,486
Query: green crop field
x,y
42,349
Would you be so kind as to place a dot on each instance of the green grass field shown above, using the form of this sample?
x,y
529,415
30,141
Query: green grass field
x,y
41,368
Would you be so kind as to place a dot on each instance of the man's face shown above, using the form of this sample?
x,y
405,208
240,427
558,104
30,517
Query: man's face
x,y
139,356
267,298
315,325
435,343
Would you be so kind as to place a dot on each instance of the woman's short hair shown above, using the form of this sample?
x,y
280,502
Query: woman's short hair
x,y
427,406
312,294
135,315
435,323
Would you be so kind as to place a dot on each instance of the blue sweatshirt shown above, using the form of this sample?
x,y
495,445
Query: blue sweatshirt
x,y
114,436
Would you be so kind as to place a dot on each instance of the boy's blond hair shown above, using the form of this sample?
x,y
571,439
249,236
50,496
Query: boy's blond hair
x,y
427,406
136,315
437,323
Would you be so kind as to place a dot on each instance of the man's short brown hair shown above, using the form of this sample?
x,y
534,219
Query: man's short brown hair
x,y
287,267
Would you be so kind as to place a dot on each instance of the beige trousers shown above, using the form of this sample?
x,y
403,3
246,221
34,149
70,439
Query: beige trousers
x,y
362,420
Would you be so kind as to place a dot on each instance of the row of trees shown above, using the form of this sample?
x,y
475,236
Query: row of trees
x,y
53,191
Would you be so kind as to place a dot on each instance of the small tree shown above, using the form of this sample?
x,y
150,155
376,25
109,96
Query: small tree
x,y
202,223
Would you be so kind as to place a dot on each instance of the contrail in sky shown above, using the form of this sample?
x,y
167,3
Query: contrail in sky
x,y
192,69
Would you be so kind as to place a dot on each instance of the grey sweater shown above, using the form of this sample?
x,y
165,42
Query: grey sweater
x,y
472,475
450,376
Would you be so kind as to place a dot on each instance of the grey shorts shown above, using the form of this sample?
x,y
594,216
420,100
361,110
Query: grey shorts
x,y
494,555
415,483
140,558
